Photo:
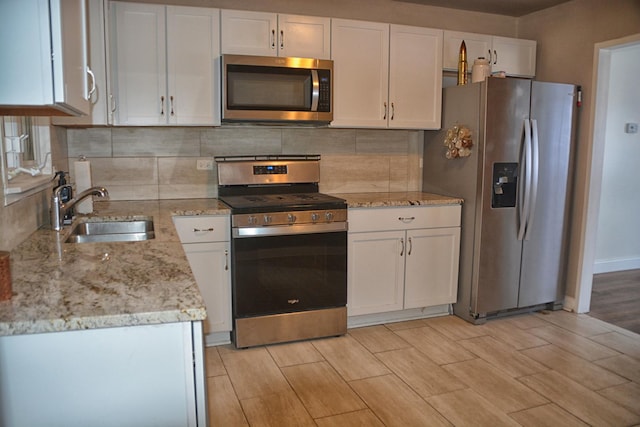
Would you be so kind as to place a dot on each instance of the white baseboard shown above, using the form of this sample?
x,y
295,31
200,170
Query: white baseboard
x,y
610,265
398,316
217,338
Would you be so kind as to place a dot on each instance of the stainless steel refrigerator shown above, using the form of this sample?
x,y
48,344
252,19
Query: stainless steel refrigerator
x,y
516,188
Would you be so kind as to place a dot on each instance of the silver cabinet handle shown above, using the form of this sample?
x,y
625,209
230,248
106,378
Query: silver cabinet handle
x,y
495,57
162,105
93,83
385,111
281,39
273,39
226,259
171,103
406,218
410,246
401,247
198,230
113,103
393,111
490,57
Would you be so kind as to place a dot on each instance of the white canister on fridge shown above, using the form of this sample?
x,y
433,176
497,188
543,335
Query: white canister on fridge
x,y
481,70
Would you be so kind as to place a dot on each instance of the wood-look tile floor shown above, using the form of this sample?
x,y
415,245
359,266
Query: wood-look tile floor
x,y
540,369
615,298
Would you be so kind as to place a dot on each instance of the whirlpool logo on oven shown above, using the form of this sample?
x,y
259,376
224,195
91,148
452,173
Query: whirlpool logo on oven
x,y
293,301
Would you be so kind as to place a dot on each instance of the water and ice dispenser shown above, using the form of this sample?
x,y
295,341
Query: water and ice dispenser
x,y
505,185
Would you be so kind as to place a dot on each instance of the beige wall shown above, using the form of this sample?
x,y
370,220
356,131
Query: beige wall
x,y
566,36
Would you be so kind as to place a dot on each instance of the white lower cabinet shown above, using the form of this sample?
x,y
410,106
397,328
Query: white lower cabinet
x,y
402,258
145,375
206,243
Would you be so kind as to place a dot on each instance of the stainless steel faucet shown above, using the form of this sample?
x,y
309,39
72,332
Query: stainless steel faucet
x,y
59,209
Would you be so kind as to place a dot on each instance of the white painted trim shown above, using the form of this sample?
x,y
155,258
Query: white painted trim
x,y
217,338
398,316
610,265
591,207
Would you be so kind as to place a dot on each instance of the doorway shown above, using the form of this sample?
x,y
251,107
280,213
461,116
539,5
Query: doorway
x,y
601,108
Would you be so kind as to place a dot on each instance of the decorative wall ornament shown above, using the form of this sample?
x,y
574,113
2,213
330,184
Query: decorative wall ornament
x,y
458,142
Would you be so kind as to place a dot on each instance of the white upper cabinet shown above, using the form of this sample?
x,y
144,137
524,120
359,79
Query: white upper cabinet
x,y
415,78
386,76
516,57
304,36
165,62
478,46
43,45
270,34
99,99
360,51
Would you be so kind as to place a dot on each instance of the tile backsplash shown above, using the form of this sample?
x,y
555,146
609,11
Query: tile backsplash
x,y
160,163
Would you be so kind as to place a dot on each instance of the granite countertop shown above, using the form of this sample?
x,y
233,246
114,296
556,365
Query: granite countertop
x,y
69,286
415,198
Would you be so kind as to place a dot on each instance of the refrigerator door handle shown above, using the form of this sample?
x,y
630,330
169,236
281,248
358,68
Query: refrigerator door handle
x,y
535,170
524,184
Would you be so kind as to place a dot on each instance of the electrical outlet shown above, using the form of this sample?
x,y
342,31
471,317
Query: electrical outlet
x,y
631,128
204,164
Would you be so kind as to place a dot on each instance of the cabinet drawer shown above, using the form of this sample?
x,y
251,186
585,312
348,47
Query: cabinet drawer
x,y
403,218
203,228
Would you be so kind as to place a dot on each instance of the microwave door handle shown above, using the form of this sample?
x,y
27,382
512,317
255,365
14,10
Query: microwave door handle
x,y
315,90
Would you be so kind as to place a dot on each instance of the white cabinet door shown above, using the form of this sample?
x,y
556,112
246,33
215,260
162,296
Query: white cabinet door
x,y
71,85
122,376
210,266
99,99
515,56
193,68
304,36
375,272
206,242
249,33
360,51
431,267
415,83
165,65
43,46
270,34
139,61
478,45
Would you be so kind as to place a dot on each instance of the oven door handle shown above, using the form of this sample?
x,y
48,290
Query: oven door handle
x,y
284,230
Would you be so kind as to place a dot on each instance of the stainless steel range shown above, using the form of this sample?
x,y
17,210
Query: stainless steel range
x,y
288,249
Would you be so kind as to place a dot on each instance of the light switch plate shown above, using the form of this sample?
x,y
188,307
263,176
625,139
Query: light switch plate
x,y
631,128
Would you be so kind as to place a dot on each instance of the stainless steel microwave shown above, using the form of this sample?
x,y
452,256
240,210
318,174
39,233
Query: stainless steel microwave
x,y
265,88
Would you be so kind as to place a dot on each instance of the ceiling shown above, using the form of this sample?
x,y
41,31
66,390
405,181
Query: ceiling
x,y
499,7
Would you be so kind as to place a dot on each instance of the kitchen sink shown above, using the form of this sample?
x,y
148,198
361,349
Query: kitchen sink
x,y
110,230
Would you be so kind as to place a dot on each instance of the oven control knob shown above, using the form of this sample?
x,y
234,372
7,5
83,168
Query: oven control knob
x,y
329,216
315,217
252,220
267,219
291,218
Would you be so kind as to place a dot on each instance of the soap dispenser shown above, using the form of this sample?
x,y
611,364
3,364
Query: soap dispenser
x,y
66,194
